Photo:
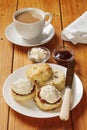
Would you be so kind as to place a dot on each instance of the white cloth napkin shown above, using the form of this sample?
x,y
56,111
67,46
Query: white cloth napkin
x,y
76,32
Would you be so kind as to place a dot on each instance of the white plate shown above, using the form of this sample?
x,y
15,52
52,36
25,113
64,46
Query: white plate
x,y
29,108
15,38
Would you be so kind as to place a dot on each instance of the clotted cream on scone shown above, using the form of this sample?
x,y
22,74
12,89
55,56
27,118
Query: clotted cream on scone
x,y
22,89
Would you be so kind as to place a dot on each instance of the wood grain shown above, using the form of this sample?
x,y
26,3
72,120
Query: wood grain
x,y
13,57
69,14
6,54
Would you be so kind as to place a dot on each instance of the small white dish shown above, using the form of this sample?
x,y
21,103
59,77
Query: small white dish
x,y
29,108
39,54
15,38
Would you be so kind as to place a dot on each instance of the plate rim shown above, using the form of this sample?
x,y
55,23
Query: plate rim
x,y
35,116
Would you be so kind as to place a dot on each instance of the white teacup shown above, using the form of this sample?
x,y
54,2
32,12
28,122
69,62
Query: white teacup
x,y
30,22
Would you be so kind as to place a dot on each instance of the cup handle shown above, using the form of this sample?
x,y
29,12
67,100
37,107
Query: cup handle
x,y
49,19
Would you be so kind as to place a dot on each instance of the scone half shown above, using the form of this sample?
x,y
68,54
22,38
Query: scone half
x,y
25,97
57,80
44,105
23,90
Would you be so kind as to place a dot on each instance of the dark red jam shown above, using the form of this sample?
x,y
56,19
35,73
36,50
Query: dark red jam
x,y
63,57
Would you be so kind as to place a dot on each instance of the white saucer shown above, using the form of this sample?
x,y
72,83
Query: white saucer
x,y
15,38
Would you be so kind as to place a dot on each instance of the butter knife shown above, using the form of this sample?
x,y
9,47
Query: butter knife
x,y
65,108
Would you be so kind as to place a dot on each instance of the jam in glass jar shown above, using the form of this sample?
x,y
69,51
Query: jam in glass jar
x,y
63,55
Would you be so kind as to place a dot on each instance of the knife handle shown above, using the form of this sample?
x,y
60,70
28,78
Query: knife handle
x,y
64,113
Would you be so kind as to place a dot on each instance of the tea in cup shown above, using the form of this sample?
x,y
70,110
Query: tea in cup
x,y
30,22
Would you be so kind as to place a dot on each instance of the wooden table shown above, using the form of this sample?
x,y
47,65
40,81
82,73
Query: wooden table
x,y
13,57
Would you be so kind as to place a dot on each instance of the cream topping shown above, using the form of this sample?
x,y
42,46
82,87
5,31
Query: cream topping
x,y
22,86
38,54
50,94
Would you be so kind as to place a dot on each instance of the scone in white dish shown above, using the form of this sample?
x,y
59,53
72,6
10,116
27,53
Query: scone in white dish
x,y
29,108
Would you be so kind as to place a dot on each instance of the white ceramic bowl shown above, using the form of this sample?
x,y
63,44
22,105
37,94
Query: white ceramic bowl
x,y
41,54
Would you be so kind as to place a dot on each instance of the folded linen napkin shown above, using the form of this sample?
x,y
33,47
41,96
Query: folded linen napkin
x,y
76,32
